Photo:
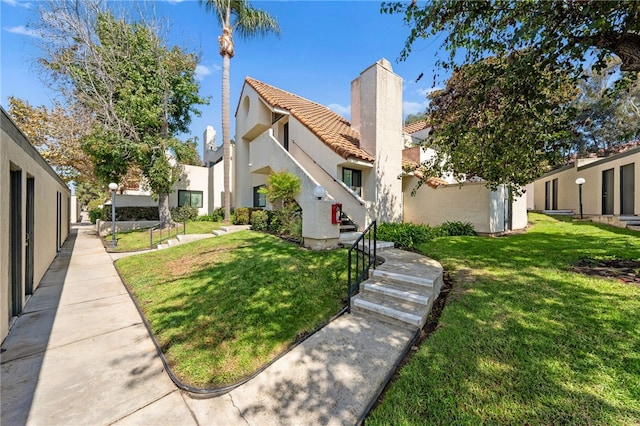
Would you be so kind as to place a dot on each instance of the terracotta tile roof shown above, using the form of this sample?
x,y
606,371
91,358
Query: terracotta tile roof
x,y
332,129
415,127
411,164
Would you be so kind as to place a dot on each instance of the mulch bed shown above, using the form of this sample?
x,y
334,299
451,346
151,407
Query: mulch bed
x,y
625,270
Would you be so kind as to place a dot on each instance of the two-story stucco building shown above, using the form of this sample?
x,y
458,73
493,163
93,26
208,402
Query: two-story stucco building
x,y
360,164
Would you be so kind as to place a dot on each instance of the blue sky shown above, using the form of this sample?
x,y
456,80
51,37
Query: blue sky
x,y
322,47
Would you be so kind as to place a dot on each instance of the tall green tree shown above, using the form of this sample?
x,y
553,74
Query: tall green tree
x,y
139,91
240,17
607,117
506,48
489,124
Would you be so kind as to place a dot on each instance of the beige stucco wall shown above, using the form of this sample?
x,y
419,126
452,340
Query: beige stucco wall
x,y
471,202
376,112
568,193
17,153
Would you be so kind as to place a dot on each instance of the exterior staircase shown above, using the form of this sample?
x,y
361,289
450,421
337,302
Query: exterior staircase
x,y
229,229
401,290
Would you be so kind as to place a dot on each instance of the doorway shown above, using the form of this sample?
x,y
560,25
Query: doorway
x,y
554,201
607,191
547,195
15,243
29,236
627,189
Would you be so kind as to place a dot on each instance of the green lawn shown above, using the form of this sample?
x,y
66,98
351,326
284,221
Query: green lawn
x,y
223,307
524,339
139,239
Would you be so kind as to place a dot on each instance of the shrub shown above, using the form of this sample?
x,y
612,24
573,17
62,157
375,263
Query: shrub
x,y
259,220
131,213
95,214
274,222
241,216
217,215
205,218
184,213
404,235
452,229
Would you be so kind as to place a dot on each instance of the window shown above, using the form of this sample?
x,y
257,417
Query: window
x,y
259,200
286,136
353,179
189,198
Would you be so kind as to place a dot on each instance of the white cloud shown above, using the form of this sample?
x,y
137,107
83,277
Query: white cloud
x,y
427,92
414,107
340,109
202,71
22,31
15,3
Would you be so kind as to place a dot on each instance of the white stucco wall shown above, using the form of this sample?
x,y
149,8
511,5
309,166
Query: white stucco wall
x,y
376,112
18,154
268,155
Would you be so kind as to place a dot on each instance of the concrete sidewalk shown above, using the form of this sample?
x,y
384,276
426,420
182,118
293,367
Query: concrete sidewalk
x,y
80,354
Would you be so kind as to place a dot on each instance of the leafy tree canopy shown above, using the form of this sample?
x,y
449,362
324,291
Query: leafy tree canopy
x,y
607,119
494,125
507,113
557,33
139,91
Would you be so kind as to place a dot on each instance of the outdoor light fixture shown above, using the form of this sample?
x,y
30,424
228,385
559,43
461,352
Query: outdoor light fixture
x,y
112,188
579,182
319,192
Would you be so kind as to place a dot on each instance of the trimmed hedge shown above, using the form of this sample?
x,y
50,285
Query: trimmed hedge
x,y
131,213
409,235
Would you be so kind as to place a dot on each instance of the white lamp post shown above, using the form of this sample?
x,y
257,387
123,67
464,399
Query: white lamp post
x,y
579,182
112,188
319,192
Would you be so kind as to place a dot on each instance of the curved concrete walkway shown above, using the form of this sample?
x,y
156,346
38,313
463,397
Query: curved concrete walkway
x,y
80,354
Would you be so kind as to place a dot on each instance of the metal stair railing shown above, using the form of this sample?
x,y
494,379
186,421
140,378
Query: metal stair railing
x,y
365,258
160,232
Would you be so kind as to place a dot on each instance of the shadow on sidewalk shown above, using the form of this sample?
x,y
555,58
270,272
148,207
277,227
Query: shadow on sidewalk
x,y
23,350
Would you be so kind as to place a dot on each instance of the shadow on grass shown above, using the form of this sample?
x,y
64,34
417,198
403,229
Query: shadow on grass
x,y
525,341
241,305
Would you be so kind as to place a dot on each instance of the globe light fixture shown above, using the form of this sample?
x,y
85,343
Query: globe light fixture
x,y
319,192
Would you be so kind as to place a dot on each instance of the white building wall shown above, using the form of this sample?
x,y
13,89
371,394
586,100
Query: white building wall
x,y
376,112
16,153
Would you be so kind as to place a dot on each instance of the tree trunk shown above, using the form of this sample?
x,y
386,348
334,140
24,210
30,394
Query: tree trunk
x,y
626,47
226,142
164,211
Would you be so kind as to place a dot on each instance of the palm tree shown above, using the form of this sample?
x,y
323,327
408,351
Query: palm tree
x,y
247,21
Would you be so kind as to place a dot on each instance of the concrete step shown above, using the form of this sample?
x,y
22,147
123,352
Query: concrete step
x,y
349,236
423,282
396,290
235,228
389,309
632,223
629,218
380,245
559,212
